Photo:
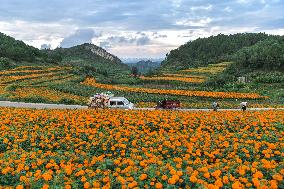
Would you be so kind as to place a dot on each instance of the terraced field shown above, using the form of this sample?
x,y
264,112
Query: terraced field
x,y
194,75
33,84
62,85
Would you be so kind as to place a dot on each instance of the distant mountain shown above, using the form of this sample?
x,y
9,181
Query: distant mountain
x,y
214,49
145,66
135,60
88,51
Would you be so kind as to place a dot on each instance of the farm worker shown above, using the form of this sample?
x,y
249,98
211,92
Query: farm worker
x,y
243,105
215,106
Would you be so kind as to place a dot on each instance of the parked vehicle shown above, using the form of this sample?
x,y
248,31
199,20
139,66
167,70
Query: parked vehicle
x,y
107,100
168,104
120,102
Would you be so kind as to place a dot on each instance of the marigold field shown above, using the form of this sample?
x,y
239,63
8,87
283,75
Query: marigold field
x,y
221,95
140,149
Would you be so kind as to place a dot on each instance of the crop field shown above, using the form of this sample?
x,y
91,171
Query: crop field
x,y
193,75
32,83
141,149
59,84
210,69
92,82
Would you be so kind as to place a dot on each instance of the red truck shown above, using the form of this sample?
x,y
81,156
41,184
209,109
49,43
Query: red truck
x,y
168,104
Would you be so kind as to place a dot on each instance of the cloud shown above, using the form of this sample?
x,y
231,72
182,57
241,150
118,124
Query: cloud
x,y
228,9
135,25
79,37
140,40
194,22
200,8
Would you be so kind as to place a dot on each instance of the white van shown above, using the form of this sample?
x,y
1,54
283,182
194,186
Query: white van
x,y
120,102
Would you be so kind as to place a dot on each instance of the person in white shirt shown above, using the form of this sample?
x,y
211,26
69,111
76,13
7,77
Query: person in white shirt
x,y
215,106
243,106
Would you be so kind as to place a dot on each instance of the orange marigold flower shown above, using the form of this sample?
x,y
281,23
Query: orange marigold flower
x,y
132,184
86,185
216,173
143,177
193,178
273,184
20,187
47,176
164,177
277,177
225,179
67,186
45,186
237,185
68,170
159,185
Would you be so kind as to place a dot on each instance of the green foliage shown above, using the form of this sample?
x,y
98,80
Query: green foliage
x,y
6,63
153,72
67,101
11,87
267,54
204,51
267,77
17,50
33,98
218,80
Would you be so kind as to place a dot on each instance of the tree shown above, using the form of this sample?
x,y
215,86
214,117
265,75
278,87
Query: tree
x,y
134,71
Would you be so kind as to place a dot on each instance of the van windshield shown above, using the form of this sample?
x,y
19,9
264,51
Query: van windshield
x,y
126,101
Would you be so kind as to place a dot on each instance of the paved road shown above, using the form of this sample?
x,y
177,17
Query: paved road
x,y
63,106
39,105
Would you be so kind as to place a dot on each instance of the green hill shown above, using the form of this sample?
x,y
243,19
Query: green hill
x,y
214,49
86,59
17,50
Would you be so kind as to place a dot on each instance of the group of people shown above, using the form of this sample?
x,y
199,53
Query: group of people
x,y
243,106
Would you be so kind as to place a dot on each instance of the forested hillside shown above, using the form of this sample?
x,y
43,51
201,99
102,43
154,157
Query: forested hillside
x,y
266,55
214,49
261,63
86,59
15,50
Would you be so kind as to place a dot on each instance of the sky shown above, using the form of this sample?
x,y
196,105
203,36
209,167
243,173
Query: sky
x,y
135,28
